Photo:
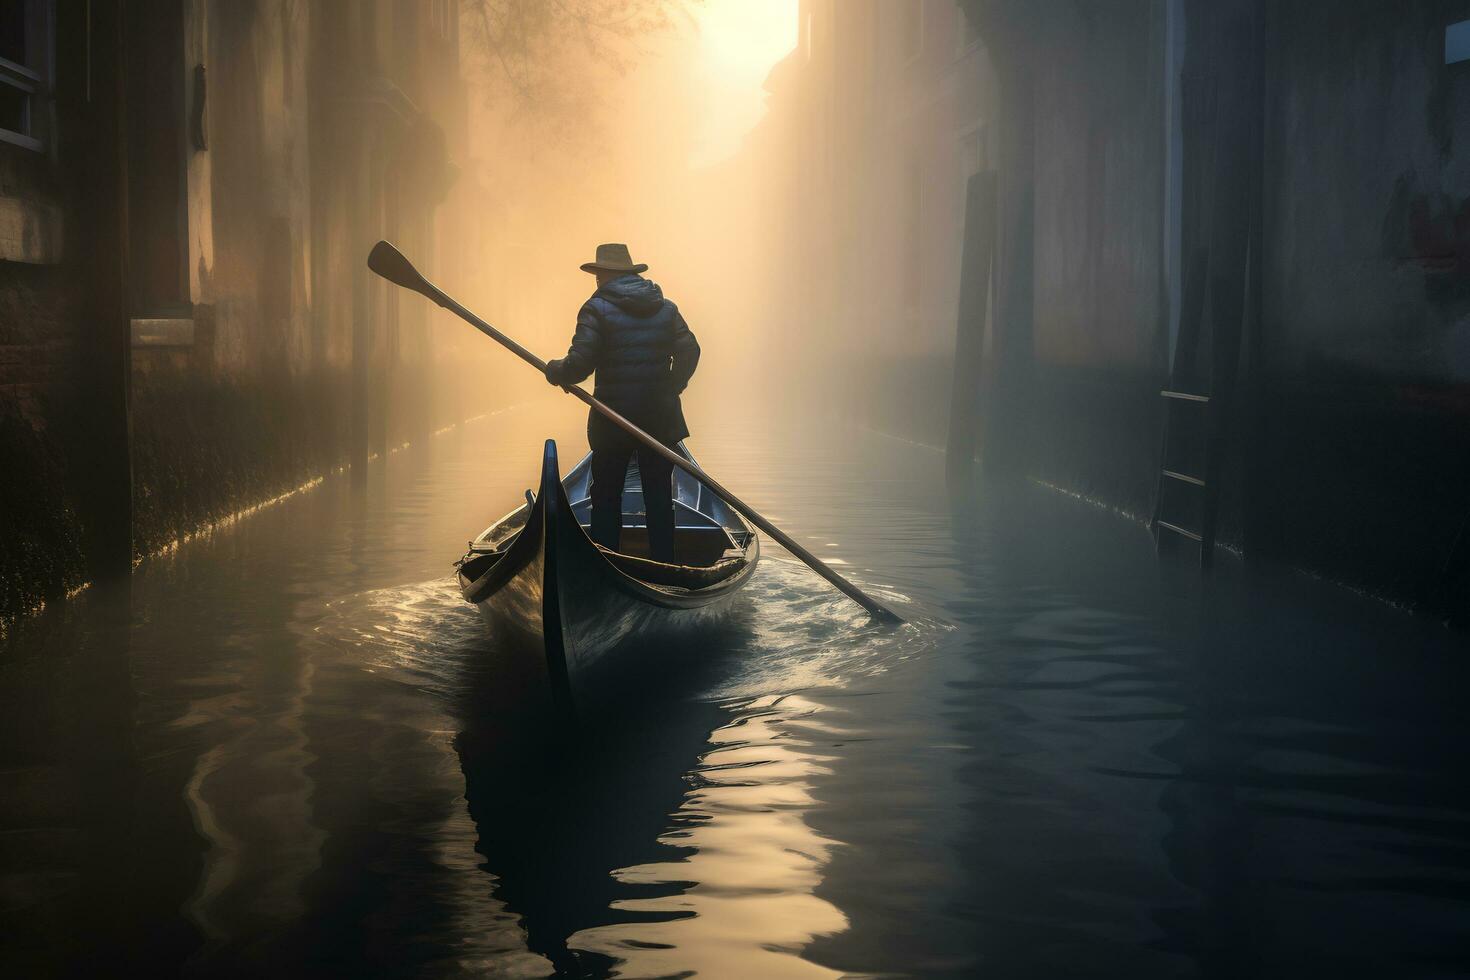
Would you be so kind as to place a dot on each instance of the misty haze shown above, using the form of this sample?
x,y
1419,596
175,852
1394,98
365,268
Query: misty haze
x,y
734,488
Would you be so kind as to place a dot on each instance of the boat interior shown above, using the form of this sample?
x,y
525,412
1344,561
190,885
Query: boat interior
x,y
710,539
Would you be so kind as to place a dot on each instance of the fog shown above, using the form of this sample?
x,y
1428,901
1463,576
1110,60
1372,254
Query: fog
x,y
1102,342
666,138
626,159
792,171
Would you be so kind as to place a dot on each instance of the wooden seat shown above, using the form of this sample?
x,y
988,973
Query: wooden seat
x,y
678,576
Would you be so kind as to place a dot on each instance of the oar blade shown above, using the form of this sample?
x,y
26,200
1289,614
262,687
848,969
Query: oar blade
x,y
394,266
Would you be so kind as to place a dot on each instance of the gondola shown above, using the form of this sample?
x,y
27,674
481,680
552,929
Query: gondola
x,y
550,594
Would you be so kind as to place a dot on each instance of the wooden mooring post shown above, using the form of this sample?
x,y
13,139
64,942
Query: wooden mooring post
x,y
969,345
109,487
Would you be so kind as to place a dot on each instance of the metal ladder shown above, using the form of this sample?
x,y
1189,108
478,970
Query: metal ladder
x,y
1183,498
1223,111
1186,497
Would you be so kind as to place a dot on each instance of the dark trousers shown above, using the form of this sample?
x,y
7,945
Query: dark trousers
x,y
609,468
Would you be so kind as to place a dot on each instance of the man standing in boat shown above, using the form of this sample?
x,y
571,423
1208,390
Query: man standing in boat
x,y
644,355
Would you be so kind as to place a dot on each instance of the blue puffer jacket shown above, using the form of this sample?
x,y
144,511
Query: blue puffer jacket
x,y
643,353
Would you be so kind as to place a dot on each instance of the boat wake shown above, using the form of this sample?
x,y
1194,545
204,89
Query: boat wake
x,y
423,634
799,635
787,632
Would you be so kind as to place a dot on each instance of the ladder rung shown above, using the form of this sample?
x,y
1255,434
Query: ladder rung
x,y
1179,530
1184,478
1185,396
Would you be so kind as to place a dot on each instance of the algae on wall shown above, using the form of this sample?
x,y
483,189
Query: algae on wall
x,y
42,557
207,446
42,552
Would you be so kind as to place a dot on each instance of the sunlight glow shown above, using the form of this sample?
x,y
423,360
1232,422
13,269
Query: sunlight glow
x,y
739,42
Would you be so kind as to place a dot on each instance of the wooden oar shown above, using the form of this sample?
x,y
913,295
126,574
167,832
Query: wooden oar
x,y
391,264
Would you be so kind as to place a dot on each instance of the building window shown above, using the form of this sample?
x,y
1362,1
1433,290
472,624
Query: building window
x,y
157,142
911,28
441,18
1457,42
913,220
966,37
973,150
25,50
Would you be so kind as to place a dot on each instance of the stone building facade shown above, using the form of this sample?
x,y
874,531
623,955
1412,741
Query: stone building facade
x,y
1257,202
188,189
1254,201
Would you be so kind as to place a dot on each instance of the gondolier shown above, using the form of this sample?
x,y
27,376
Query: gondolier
x,y
643,354
540,540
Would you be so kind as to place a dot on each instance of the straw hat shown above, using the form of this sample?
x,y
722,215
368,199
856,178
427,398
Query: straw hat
x,y
613,257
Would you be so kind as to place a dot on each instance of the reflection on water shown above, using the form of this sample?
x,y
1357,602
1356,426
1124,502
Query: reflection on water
x,y
291,749
738,899
260,839
670,837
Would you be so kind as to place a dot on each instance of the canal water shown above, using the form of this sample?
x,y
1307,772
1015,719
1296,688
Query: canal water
x,y
290,751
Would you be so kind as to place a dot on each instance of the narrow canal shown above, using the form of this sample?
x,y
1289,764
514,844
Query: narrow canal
x,y
289,752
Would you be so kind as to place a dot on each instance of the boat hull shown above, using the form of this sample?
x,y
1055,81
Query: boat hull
x,y
554,600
